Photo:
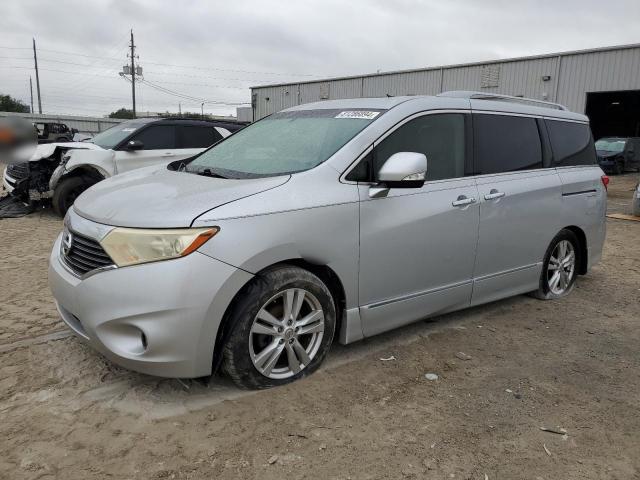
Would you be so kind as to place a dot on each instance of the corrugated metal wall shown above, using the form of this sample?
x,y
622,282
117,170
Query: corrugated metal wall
x,y
565,78
82,124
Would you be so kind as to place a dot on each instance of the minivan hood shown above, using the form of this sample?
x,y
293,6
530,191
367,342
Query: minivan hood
x,y
161,198
607,153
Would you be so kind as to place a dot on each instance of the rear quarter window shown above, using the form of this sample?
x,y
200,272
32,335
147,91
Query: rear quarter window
x,y
199,136
571,143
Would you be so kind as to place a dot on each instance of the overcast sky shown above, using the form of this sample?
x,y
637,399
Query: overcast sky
x,y
215,50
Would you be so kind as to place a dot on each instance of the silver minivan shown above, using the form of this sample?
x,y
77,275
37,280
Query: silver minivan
x,y
344,218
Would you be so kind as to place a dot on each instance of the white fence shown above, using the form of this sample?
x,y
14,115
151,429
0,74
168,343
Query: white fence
x,y
89,125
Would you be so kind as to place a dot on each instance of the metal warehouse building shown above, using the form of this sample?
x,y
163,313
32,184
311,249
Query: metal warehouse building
x,y
604,83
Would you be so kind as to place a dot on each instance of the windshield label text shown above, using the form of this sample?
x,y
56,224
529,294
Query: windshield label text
x,y
362,114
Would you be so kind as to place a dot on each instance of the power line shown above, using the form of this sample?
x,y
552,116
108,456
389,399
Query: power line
x,y
190,97
190,67
197,84
82,83
60,71
61,52
197,67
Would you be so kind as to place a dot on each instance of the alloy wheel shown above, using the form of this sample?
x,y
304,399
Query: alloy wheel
x,y
286,333
561,268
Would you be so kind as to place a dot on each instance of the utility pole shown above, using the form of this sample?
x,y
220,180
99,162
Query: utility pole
x,y
179,109
35,61
202,109
133,75
31,90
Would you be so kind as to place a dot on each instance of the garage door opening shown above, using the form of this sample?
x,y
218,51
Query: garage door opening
x,y
614,114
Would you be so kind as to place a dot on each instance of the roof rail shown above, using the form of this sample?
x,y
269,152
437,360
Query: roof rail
x,y
505,98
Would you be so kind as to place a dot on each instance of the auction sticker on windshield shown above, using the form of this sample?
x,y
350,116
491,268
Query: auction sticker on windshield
x,y
362,114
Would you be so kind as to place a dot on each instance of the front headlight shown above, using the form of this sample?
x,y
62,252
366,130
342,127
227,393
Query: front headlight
x,y
130,246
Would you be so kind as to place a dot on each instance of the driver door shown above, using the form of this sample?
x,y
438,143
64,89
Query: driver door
x,y
418,245
159,146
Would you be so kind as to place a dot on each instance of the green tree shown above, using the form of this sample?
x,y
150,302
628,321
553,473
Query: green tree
x,y
122,113
10,104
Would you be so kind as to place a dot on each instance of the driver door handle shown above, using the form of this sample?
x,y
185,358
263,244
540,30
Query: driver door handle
x,y
493,194
463,200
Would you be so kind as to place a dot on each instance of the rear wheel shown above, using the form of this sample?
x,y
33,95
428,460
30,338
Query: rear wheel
x,y
67,191
282,328
560,267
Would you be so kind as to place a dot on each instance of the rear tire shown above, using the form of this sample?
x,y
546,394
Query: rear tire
x,y
281,326
67,191
559,267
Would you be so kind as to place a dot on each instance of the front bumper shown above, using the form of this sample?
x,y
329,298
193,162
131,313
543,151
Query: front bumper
x,y
8,183
158,318
606,163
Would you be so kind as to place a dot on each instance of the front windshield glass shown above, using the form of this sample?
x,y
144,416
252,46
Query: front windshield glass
x,y
114,135
610,145
283,143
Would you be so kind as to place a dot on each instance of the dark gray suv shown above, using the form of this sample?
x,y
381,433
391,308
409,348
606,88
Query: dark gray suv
x,y
618,154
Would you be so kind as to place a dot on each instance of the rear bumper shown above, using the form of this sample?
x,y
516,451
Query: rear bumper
x,y
159,318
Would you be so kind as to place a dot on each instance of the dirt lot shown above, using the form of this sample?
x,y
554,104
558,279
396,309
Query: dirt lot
x,y
575,364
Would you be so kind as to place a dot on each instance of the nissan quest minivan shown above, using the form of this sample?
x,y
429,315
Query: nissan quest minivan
x,y
344,218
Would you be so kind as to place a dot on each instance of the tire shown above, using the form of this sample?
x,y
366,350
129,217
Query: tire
x,y
67,191
618,168
257,352
548,289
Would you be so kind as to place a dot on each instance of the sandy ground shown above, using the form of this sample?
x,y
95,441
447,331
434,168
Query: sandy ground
x,y
67,413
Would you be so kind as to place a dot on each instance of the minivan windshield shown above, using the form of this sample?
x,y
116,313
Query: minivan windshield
x,y
114,135
610,145
283,143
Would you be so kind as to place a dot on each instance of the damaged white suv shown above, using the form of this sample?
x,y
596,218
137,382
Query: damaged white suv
x,y
62,171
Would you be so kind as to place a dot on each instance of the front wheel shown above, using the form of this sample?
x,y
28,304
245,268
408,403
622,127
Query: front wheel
x,y
281,328
67,191
560,267
618,168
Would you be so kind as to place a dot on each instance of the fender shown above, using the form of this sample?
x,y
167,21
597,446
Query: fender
x,y
102,161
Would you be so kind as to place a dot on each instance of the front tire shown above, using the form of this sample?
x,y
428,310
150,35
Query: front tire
x,y
559,267
67,191
282,327
618,168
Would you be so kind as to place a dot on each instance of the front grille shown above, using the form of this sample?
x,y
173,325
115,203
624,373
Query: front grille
x,y
18,171
83,254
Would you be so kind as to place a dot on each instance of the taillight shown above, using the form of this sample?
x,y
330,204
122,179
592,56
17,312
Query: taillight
x,y
605,181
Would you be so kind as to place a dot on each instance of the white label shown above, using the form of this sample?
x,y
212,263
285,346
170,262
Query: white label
x,y
362,114
129,129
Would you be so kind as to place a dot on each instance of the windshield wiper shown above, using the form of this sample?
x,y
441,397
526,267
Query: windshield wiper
x,y
208,173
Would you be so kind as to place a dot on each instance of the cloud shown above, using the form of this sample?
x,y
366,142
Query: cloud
x,y
223,48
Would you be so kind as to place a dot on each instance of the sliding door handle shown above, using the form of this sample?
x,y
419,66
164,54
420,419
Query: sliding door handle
x,y
463,201
493,194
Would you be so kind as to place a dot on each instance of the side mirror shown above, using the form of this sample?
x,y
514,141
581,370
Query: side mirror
x,y
134,145
404,170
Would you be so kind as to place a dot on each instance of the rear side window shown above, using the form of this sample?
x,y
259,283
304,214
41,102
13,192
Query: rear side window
x,y
505,143
572,143
157,137
199,137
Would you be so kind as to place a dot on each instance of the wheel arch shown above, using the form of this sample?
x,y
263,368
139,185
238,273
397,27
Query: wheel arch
x,y
582,245
325,273
92,171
